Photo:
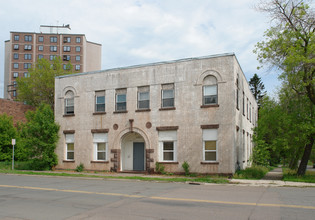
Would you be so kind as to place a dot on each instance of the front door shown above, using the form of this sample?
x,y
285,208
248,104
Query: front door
x,y
138,156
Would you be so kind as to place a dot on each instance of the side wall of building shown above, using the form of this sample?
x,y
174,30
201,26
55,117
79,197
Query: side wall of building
x,y
15,109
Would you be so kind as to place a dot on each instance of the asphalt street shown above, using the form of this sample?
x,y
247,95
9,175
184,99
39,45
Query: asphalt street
x,y
41,197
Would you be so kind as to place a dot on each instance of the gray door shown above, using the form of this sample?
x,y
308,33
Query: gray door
x,y
138,156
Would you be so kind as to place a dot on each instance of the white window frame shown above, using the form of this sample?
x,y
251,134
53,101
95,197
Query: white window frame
x,y
100,94
205,95
209,135
143,90
120,92
69,97
167,136
69,140
164,89
100,138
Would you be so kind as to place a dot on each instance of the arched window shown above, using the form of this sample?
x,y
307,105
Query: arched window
x,y
69,103
210,91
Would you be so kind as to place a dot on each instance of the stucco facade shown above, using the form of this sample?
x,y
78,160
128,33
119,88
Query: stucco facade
x,y
128,119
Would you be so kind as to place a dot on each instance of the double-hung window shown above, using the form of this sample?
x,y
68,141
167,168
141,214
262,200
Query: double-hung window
x,y
16,37
15,65
77,67
41,39
28,38
77,49
100,101
144,97
100,146
210,91
15,46
121,99
66,48
168,96
27,47
69,103
210,144
167,146
27,65
78,39
53,48
27,56
69,146
53,39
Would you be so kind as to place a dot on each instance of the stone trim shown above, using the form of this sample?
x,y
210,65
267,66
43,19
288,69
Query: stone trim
x,y
209,162
105,130
68,161
69,115
118,112
166,128
168,162
165,109
115,160
143,110
99,113
99,161
69,131
209,106
214,126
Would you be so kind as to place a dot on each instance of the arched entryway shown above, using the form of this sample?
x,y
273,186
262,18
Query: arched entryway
x,y
133,153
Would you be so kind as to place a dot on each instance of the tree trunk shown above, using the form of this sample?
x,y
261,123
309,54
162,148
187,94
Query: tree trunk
x,y
306,156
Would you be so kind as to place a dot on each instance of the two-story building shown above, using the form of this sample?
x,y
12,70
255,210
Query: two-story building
x,y
199,110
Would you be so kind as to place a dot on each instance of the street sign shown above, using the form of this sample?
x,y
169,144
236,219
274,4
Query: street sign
x,y
13,141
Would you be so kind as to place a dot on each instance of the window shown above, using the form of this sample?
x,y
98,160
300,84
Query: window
x,y
52,57
15,56
70,146
247,113
250,111
210,91
14,93
77,67
167,95
27,56
66,48
40,56
167,146
53,39
40,39
16,37
27,47
121,99
14,83
16,47
67,39
243,103
15,75
66,57
53,48
210,144
77,58
100,101
144,97
100,146
40,47
15,65
78,39
78,49
66,66
26,74
27,65
69,103
28,38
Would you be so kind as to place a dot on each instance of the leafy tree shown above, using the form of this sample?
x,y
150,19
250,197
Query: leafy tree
x,y
289,46
257,87
39,87
39,136
7,133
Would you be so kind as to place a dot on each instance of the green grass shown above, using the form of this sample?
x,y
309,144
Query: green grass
x,y
290,175
6,168
18,165
254,173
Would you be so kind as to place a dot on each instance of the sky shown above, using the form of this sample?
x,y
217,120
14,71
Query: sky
x,y
136,32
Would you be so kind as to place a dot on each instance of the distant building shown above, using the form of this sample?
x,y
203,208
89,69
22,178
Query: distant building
x,y
199,110
15,109
25,48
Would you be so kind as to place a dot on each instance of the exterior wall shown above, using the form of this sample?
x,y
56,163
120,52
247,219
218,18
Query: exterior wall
x,y
15,109
34,52
188,118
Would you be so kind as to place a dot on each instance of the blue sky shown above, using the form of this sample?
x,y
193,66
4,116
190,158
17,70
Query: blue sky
x,y
144,31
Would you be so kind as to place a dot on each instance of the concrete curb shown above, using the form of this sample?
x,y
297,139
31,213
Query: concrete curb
x,y
268,183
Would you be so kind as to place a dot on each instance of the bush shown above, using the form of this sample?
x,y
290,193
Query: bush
x,y
185,166
254,172
80,167
159,168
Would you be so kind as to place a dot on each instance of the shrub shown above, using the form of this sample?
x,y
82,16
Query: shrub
x,y
185,166
80,167
254,172
159,168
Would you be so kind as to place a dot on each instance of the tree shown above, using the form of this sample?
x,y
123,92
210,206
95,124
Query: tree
x,y
289,46
39,136
7,133
257,87
39,87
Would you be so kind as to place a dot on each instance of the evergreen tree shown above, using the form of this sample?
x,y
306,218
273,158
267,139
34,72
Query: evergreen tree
x,y
257,87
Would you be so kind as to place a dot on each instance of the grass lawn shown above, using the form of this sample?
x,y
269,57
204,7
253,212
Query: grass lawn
x,y
290,175
5,167
252,173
